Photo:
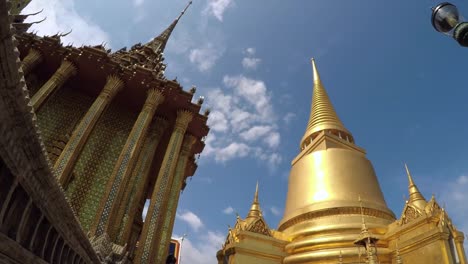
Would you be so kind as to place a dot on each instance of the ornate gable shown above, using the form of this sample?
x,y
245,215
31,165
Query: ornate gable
x,y
260,227
409,214
432,207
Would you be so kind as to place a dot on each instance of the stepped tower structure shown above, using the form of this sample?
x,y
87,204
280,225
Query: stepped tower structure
x,y
87,135
335,211
338,172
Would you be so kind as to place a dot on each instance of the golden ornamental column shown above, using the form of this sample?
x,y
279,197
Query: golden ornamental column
x,y
66,70
123,168
159,199
459,248
31,60
138,181
164,230
66,161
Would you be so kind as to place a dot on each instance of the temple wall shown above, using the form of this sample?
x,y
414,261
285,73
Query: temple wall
x,y
58,117
436,252
97,161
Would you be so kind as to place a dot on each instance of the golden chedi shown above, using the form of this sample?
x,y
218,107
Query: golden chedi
x,y
336,213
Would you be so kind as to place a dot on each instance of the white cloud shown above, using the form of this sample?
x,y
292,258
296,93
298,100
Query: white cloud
x,y
273,139
255,132
205,57
275,210
217,8
454,197
228,210
254,91
250,51
202,249
232,151
243,123
138,2
289,117
250,63
191,219
218,121
63,17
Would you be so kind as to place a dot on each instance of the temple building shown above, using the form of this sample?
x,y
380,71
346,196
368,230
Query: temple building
x,y
335,210
87,135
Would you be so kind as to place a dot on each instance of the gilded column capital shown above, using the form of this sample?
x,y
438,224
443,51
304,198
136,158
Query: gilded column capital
x,y
154,98
459,238
183,119
33,58
65,71
113,85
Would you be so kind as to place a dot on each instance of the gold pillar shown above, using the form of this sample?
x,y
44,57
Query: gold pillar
x,y
123,168
159,197
164,230
63,73
459,248
31,60
139,181
66,161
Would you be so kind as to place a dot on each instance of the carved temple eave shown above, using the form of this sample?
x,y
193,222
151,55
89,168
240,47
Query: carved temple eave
x,y
97,62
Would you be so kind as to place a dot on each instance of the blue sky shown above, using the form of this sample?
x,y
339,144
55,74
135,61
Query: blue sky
x,y
397,85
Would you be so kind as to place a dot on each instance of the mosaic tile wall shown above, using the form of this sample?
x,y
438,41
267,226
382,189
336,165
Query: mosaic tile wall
x,y
60,113
96,163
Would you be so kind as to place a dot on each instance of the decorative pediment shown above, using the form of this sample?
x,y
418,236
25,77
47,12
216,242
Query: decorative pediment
x,y
409,214
259,227
432,207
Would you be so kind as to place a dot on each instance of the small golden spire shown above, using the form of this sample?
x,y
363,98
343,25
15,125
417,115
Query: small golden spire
x,y
415,196
255,210
322,114
256,194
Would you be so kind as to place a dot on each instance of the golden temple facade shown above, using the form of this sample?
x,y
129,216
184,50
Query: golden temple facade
x,y
87,135
335,210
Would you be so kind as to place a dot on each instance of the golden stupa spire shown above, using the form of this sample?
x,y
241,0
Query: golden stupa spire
x,y
415,196
255,208
322,114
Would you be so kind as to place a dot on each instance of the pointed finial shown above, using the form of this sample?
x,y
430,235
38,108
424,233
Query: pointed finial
x,y
410,179
322,114
255,210
415,196
315,72
256,194
183,11
159,43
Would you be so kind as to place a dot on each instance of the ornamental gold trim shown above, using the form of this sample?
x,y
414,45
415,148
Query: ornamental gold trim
x,y
355,210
